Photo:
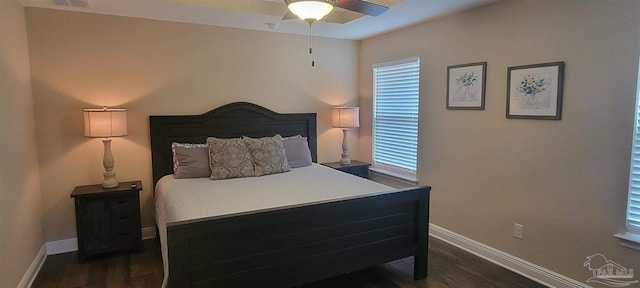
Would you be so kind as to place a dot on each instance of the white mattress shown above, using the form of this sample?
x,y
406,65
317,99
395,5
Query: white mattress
x,y
188,199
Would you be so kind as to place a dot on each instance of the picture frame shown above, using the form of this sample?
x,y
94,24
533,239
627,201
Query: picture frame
x,y
535,91
466,86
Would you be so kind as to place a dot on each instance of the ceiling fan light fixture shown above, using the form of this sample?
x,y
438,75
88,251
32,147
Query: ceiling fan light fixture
x,y
310,9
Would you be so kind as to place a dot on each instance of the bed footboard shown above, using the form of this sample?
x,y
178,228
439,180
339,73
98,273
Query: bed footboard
x,y
296,245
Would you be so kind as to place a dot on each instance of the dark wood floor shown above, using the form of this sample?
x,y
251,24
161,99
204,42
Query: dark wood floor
x,y
448,267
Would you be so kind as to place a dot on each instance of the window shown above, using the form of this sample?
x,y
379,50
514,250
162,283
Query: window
x,y
396,91
633,202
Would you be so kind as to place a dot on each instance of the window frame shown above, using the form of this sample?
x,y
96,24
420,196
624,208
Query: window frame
x,y
631,237
386,168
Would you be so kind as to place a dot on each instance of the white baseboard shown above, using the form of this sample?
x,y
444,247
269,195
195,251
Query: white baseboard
x,y
508,261
62,246
32,272
148,233
71,244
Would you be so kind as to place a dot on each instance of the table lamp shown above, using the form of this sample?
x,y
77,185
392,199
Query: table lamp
x,y
106,123
345,118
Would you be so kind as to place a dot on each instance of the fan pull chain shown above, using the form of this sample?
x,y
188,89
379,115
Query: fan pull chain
x,y
313,61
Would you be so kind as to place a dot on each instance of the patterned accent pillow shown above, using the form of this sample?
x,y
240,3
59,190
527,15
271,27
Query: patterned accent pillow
x,y
229,158
176,161
268,155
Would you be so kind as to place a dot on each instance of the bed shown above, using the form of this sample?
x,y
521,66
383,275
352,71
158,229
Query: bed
x,y
286,243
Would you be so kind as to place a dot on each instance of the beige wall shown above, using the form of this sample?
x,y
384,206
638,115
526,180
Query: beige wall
x,y
20,200
150,67
566,180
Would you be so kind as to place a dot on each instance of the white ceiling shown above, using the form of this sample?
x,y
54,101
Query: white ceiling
x,y
267,15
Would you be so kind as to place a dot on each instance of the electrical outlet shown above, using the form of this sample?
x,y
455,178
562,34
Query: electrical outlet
x,y
518,231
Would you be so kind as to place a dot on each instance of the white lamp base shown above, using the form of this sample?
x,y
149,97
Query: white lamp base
x,y
109,180
345,160
109,176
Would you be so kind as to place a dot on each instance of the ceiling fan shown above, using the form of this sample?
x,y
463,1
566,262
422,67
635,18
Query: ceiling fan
x,y
314,10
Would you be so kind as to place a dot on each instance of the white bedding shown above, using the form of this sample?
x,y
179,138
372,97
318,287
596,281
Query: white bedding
x,y
188,199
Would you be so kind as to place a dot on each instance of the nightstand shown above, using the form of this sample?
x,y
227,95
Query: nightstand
x,y
356,167
107,219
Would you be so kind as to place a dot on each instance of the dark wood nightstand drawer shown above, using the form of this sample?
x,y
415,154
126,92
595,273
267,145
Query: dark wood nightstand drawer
x,y
107,219
358,171
356,168
123,205
124,223
123,240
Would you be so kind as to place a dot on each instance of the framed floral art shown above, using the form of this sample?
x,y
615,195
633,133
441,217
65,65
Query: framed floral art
x,y
466,86
535,91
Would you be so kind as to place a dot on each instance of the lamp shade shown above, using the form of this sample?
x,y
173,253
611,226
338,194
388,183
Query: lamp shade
x,y
105,122
345,117
310,9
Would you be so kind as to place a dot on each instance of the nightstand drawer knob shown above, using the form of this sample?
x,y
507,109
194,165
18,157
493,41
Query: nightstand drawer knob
x,y
122,201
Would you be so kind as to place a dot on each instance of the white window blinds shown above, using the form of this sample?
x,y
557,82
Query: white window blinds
x,y
396,93
633,206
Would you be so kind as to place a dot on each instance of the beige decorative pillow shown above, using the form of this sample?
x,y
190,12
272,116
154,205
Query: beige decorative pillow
x,y
192,162
268,155
176,161
229,158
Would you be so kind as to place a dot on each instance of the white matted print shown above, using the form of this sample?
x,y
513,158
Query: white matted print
x,y
535,91
466,86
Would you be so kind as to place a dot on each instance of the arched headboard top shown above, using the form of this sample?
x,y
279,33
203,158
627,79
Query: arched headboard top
x,y
229,121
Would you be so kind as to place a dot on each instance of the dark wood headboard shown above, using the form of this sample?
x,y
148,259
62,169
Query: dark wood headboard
x,y
229,121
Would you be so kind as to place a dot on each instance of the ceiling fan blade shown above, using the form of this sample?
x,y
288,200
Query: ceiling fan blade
x,y
363,7
289,15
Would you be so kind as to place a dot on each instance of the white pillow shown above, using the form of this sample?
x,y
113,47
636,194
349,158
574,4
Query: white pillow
x,y
296,148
